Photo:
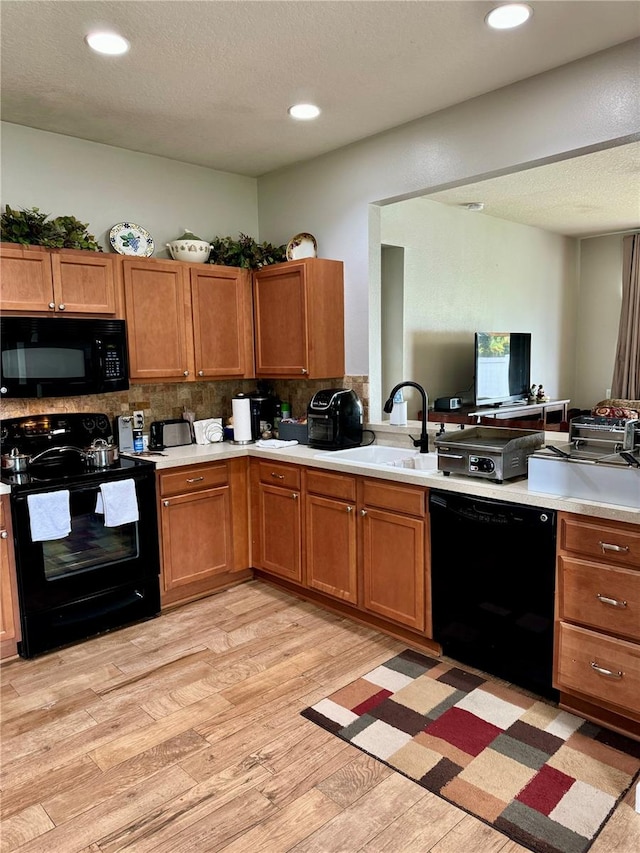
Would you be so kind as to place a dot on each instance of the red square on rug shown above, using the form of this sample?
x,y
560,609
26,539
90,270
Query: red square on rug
x,y
546,789
464,730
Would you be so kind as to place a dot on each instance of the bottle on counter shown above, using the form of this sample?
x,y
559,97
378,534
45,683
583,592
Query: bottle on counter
x,y
138,443
285,408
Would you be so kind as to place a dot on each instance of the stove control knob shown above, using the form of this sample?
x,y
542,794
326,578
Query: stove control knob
x,y
4,389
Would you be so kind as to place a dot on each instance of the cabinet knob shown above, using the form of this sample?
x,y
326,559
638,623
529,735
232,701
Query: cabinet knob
x,y
349,509
185,373
165,503
304,370
4,534
201,373
62,306
294,496
363,512
52,305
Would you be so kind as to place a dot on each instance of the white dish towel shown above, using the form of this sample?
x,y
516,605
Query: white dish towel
x,y
274,443
49,515
119,503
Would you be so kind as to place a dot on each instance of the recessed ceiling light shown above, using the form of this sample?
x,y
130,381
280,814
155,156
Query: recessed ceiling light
x,y
109,43
474,205
304,111
508,16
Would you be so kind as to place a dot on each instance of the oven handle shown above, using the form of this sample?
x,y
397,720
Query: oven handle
x,y
74,490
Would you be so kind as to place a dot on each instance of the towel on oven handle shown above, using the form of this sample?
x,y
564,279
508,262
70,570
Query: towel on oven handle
x,y
119,503
49,515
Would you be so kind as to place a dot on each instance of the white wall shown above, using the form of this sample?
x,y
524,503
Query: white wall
x,y
582,106
102,185
467,272
598,317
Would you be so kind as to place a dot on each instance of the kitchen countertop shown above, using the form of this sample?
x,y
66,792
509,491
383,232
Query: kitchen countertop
x,y
515,490
511,490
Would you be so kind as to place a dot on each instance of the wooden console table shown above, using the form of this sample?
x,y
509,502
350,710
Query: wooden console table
x,y
470,415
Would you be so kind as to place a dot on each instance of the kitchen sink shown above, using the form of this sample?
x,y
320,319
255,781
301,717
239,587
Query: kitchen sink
x,y
383,456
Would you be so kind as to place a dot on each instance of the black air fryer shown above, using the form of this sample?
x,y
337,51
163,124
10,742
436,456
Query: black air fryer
x,y
334,419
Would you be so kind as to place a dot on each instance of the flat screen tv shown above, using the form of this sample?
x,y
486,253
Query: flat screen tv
x,y
502,367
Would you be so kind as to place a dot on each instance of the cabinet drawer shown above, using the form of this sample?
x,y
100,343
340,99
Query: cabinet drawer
x,y
600,596
339,486
615,543
579,653
278,474
193,478
405,499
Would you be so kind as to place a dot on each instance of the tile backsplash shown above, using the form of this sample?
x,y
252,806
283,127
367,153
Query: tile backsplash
x,y
206,399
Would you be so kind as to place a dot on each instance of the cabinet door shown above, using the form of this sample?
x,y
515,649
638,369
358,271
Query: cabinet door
x,y
26,280
9,616
158,310
84,282
279,532
281,321
331,547
222,321
197,541
393,558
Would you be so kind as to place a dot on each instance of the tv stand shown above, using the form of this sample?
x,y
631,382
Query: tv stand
x,y
553,411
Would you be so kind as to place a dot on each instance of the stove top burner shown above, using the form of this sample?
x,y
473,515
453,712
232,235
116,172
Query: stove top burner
x,y
61,438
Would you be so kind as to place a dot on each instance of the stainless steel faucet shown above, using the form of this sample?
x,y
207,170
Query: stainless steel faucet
x,y
423,441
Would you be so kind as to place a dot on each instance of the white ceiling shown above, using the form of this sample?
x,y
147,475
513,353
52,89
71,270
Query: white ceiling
x,y
209,82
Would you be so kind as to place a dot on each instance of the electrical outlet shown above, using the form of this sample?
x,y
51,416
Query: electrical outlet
x,y
608,394
138,420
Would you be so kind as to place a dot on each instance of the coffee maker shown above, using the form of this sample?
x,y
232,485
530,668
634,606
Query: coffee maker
x,y
334,419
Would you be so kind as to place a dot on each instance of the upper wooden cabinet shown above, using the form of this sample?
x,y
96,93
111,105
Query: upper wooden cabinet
x,y
58,281
299,319
222,321
186,322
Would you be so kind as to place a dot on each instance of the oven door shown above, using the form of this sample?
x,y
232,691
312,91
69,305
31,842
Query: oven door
x,y
94,579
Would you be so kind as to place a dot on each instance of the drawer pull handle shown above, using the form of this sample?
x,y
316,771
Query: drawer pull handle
x,y
277,476
607,546
613,602
451,455
608,672
195,479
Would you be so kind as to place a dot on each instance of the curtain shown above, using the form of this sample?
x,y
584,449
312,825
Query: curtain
x,y
626,371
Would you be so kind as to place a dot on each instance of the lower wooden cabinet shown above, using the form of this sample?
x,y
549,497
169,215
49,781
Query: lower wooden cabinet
x,y
330,532
277,519
357,542
597,642
9,615
203,516
392,519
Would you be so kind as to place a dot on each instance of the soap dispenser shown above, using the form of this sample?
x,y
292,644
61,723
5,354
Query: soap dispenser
x,y
399,411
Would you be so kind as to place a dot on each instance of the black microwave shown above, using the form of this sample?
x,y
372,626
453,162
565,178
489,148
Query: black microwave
x,y
62,357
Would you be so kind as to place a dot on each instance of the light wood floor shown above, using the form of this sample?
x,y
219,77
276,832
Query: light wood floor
x,y
184,735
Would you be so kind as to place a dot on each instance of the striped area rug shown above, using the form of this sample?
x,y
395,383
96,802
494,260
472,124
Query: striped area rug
x,y
546,778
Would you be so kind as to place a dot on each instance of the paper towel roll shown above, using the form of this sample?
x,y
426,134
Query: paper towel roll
x,y
241,410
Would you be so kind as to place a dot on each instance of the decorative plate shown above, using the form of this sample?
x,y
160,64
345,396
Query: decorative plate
x,y
302,246
130,239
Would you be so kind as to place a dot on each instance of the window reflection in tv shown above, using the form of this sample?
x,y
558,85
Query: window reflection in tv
x,y
502,367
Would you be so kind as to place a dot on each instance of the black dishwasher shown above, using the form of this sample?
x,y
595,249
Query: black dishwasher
x,y
493,581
